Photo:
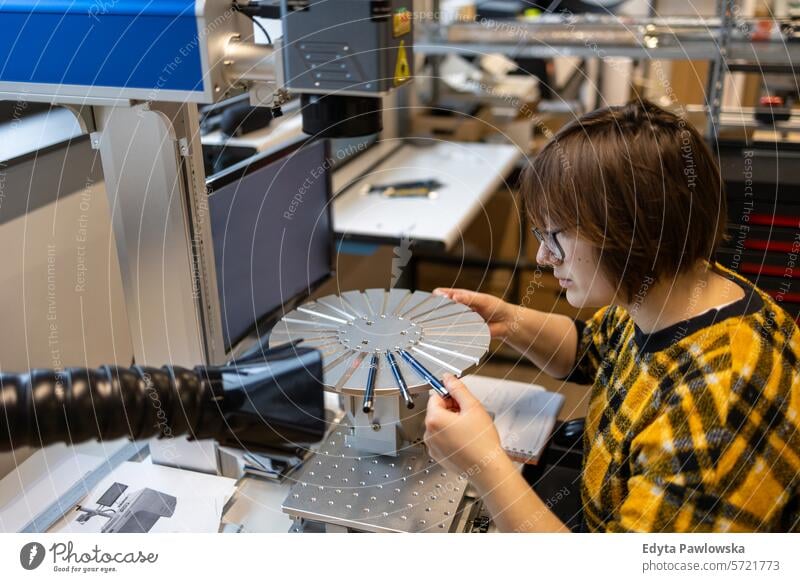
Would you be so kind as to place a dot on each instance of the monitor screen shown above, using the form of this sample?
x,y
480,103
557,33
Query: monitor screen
x,y
272,233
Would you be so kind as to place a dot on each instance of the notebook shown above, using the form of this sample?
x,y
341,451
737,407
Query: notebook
x,y
524,414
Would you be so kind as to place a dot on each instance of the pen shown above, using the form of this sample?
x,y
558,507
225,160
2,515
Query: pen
x,y
369,391
425,374
401,383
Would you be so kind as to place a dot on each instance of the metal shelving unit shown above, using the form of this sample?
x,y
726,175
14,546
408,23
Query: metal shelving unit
x,y
724,41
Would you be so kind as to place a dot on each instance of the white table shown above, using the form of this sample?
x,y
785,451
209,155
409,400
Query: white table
x,y
470,174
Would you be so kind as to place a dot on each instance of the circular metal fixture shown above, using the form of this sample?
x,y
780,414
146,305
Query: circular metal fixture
x,y
379,342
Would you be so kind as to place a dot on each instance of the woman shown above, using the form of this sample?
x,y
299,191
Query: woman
x,y
695,399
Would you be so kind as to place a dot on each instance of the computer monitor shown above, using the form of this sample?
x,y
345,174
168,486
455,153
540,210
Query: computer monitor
x,y
273,234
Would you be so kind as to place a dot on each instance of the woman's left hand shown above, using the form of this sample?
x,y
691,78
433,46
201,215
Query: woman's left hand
x,y
460,433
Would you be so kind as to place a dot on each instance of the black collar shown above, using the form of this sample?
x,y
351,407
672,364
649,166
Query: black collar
x,y
664,338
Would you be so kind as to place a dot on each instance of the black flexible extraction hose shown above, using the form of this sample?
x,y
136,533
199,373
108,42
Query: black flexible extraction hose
x,y
274,401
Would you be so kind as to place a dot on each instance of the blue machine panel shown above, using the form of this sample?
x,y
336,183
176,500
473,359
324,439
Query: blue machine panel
x,y
142,44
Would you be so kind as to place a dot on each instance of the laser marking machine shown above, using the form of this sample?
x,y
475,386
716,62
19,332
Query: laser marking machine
x,y
133,72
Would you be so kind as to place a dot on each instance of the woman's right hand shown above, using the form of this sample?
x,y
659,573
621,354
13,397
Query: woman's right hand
x,y
496,312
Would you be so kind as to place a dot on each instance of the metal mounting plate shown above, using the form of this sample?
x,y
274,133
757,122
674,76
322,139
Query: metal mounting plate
x,y
407,493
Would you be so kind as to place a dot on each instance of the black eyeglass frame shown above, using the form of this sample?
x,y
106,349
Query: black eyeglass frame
x,y
549,239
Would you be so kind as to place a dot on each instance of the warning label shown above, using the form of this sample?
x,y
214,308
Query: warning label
x,y
402,70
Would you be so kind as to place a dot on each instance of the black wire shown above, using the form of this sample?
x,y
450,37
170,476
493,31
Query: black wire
x,y
238,8
264,30
258,24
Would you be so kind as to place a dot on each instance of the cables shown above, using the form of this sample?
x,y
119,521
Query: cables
x,y
251,11
259,25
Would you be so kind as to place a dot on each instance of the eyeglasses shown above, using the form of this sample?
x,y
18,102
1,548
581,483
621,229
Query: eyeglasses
x,y
550,242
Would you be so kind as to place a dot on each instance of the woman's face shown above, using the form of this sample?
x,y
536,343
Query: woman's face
x,y
579,273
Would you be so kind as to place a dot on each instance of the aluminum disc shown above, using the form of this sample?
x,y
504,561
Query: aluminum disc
x,y
356,329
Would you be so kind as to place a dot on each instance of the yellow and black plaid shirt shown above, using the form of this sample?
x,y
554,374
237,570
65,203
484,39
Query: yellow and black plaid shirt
x,y
695,427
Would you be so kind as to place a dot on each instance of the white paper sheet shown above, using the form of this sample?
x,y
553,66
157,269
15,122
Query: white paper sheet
x,y
524,414
155,499
39,482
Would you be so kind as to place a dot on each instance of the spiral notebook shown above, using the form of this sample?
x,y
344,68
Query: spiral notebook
x,y
524,414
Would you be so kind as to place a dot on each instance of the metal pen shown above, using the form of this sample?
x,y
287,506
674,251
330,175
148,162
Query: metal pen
x,y
401,383
369,391
435,383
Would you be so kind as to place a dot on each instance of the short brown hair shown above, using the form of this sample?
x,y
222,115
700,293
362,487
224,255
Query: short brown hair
x,y
636,181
